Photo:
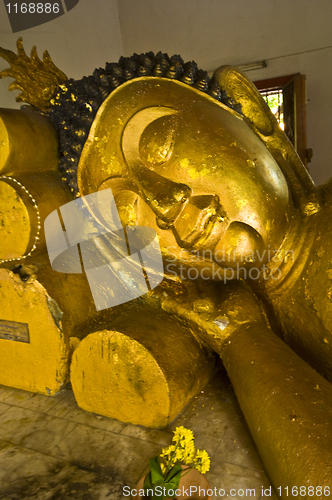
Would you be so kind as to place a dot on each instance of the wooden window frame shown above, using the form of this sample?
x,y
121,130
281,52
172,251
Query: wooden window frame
x,y
295,114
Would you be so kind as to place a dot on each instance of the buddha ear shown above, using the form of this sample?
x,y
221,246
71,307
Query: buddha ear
x,y
244,92
262,121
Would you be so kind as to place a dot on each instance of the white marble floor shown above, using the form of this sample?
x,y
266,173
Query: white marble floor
x,y
52,450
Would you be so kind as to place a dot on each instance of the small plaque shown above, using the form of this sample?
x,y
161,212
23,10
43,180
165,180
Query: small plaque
x,y
13,330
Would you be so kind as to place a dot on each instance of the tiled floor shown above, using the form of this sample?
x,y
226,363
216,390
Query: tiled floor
x,y
52,450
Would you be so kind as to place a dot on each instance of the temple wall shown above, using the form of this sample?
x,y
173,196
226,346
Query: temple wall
x,y
82,39
291,36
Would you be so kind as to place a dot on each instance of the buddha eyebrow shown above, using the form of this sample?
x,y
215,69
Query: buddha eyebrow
x,y
135,127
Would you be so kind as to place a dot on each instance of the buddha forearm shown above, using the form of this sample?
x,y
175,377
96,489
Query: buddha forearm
x,y
287,405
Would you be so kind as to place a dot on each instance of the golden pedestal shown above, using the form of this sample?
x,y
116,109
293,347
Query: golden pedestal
x,y
34,349
143,372
133,362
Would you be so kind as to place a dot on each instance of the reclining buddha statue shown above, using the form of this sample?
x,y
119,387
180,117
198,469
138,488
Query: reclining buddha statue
x,y
243,232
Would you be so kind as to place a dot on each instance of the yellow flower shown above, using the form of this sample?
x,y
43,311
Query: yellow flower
x,y
167,451
188,453
183,435
163,468
184,451
168,454
202,461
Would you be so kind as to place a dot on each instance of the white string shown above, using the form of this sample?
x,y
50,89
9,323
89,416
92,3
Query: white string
x,y
34,246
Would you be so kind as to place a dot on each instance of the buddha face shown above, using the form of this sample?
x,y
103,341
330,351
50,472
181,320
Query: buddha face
x,y
204,181
209,180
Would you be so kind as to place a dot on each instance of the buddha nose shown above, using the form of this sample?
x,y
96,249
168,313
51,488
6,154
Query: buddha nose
x,y
165,197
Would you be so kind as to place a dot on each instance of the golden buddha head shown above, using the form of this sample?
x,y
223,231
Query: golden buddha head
x,y
193,169
214,182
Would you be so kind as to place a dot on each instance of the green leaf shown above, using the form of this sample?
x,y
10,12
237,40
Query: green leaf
x,y
171,486
147,481
154,464
174,473
157,477
149,486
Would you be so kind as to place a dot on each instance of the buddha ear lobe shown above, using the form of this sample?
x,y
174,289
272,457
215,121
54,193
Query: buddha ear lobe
x,y
244,92
262,121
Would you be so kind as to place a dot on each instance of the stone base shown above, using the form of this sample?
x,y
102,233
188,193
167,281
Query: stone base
x,y
33,348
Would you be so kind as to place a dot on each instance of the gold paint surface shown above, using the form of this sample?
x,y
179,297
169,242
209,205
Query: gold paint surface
x,y
70,291
37,80
183,364
206,179
301,297
27,201
265,125
42,364
143,372
288,416
28,142
132,387
179,154
15,227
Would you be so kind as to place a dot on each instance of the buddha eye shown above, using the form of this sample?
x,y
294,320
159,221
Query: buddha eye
x,y
157,141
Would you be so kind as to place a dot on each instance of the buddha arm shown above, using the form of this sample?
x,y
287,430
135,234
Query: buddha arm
x,y
287,405
28,142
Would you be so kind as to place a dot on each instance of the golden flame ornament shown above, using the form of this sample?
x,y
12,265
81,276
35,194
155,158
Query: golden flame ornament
x,y
36,79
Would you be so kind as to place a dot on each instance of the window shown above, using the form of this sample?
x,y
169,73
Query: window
x,y
286,97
